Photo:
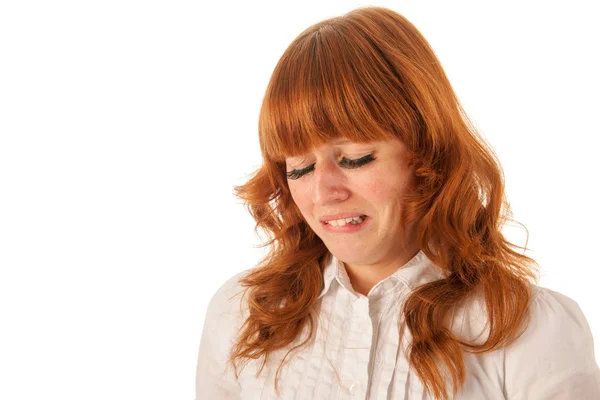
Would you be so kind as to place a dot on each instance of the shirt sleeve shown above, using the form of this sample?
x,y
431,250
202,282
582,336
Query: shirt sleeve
x,y
215,379
554,358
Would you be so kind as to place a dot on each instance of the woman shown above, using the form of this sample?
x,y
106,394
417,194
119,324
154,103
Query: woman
x,y
388,276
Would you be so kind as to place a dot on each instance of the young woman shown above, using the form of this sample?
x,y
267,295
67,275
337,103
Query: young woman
x,y
388,276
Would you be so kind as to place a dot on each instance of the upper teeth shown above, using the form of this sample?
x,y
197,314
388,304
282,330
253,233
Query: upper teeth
x,y
344,221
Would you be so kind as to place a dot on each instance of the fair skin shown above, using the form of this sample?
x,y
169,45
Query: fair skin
x,y
364,181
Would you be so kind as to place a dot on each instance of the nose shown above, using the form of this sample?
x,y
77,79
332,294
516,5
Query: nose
x,y
329,183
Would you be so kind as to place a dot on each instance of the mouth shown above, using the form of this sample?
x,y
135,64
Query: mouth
x,y
355,220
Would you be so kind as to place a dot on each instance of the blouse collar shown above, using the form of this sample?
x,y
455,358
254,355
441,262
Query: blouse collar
x,y
416,272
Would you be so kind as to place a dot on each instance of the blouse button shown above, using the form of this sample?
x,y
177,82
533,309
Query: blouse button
x,y
353,387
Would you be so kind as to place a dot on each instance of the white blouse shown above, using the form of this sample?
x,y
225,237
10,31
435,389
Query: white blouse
x,y
357,354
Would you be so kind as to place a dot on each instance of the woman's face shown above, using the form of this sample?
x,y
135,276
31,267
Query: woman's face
x,y
364,181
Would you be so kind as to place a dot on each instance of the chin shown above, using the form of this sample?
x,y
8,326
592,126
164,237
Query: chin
x,y
349,255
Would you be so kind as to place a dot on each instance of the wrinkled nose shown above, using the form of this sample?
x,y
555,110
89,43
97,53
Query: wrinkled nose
x,y
329,184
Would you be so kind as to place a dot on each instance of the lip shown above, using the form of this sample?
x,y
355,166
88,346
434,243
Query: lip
x,y
347,228
341,215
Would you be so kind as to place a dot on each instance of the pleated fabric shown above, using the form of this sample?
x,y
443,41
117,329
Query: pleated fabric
x,y
359,353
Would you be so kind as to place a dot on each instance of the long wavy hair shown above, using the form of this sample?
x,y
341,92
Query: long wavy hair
x,y
370,75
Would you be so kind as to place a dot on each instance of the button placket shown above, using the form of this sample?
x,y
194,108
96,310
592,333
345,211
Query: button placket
x,y
361,306
362,318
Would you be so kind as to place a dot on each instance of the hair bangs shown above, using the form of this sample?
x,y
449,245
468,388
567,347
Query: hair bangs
x,y
321,90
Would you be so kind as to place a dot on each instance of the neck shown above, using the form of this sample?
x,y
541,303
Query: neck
x,y
364,277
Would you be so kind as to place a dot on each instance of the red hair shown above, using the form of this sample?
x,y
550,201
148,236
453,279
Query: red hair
x,y
370,75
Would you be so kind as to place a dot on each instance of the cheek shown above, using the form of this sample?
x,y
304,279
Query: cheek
x,y
374,188
300,198
379,189
387,191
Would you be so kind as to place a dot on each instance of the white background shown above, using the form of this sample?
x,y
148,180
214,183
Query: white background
x,y
125,124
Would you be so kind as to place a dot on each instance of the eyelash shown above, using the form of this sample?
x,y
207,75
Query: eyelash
x,y
344,162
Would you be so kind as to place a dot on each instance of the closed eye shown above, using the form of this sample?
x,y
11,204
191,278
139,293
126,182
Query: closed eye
x,y
344,163
359,162
297,173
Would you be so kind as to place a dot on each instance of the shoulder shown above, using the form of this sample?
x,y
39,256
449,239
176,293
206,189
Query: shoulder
x,y
555,352
551,316
225,315
557,319
227,302
548,306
